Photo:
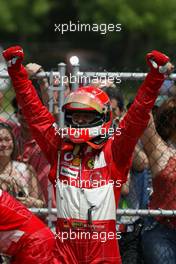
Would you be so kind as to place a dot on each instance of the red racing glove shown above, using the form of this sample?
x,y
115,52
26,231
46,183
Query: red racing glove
x,y
14,57
158,62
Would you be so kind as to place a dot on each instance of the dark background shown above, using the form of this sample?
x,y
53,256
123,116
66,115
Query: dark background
x,y
146,25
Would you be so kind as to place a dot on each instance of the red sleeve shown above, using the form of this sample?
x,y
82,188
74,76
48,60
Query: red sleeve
x,y
37,115
13,214
135,122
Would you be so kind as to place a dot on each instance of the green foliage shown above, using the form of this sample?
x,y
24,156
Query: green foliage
x,y
23,16
146,25
157,18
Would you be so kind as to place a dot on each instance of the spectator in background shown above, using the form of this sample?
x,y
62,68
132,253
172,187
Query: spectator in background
x,y
116,98
56,95
134,195
17,178
117,101
159,238
160,99
140,172
4,82
168,88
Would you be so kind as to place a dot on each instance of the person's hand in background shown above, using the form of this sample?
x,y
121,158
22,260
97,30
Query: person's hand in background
x,y
33,69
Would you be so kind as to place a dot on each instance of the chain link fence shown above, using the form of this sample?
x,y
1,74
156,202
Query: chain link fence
x,y
26,174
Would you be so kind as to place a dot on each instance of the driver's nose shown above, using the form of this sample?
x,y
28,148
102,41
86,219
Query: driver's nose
x,y
80,120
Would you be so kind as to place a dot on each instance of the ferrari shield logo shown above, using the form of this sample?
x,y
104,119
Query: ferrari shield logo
x,y
90,164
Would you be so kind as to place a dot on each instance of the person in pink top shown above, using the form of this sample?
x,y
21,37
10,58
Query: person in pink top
x,y
159,236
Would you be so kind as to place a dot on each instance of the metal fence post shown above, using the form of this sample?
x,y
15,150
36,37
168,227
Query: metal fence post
x,y
61,89
50,186
75,76
50,91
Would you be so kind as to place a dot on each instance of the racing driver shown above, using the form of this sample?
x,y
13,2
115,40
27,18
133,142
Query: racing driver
x,y
88,163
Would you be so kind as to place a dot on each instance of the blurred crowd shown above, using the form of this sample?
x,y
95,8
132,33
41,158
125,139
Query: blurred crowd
x,y
151,182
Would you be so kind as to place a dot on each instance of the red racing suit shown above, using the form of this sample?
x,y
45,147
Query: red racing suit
x,y
23,236
87,181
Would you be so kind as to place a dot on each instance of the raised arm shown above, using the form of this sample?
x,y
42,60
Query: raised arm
x,y
137,117
37,116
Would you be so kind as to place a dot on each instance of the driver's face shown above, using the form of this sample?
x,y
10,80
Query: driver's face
x,y
83,118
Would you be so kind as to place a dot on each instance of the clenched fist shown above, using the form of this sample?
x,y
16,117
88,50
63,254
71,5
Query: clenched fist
x,y
14,56
159,62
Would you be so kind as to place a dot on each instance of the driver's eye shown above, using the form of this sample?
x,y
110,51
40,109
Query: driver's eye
x,y
75,116
82,117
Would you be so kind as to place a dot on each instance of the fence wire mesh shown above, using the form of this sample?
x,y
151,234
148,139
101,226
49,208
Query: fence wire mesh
x,y
26,175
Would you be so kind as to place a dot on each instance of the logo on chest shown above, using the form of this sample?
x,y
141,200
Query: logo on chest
x,y
68,156
69,172
90,163
71,159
